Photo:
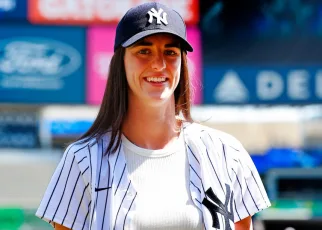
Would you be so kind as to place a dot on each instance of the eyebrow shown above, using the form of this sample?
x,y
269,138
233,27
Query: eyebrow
x,y
146,43
174,44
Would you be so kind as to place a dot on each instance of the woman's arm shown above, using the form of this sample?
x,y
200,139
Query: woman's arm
x,y
60,227
244,224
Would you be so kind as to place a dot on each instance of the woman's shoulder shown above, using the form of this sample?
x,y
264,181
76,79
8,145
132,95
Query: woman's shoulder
x,y
83,148
203,131
81,145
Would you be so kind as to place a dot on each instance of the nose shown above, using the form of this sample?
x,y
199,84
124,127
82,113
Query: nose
x,y
158,62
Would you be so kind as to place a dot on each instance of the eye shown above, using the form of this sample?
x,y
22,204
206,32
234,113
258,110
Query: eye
x,y
171,52
144,51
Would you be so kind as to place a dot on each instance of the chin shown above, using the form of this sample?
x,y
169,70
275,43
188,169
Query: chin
x,y
158,100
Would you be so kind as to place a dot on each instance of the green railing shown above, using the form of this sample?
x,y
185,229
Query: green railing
x,y
21,219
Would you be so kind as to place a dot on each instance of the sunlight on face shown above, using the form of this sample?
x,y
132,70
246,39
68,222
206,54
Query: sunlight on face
x,y
153,67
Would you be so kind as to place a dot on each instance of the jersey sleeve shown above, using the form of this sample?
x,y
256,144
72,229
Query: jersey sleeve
x,y
67,198
250,196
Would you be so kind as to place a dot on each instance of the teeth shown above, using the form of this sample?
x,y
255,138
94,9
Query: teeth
x,y
156,79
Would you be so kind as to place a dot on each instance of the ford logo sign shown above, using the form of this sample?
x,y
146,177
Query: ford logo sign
x,y
36,57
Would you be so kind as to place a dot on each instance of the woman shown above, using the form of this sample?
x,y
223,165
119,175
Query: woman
x,y
144,164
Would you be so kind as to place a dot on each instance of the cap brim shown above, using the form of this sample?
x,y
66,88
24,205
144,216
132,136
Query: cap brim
x,y
143,34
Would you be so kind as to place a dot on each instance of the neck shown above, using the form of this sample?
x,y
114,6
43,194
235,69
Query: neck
x,y
151,127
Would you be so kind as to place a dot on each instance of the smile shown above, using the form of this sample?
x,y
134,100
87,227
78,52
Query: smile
x,y
156,79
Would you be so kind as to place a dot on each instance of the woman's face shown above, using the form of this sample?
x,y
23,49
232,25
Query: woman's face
x,y
152,68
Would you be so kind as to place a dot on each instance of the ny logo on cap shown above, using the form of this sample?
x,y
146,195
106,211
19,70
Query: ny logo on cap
x,y
157,14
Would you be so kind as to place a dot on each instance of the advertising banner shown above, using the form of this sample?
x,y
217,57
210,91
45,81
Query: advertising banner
x,y
19,130
13,10
68,127
42,64
100,51
263,85
99,11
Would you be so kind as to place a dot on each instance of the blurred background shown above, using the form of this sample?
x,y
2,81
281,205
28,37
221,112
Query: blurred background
x,y
257,74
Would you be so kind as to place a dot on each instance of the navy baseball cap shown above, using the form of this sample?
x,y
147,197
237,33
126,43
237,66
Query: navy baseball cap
x,y
147,19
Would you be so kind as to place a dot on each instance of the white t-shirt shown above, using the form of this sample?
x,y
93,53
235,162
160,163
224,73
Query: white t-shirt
x,y
161,178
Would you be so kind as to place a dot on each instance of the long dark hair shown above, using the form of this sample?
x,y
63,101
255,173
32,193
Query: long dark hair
x,y
115,101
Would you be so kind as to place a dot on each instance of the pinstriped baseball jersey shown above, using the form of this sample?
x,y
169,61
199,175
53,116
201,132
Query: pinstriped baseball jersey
x,y
90,190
